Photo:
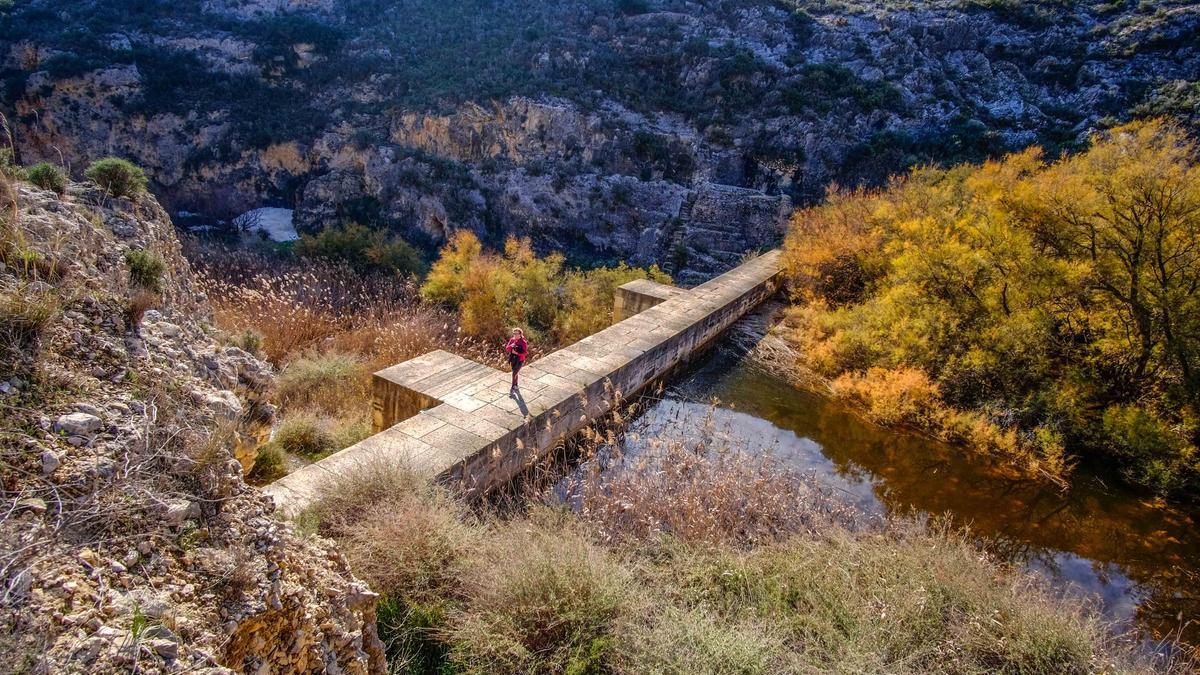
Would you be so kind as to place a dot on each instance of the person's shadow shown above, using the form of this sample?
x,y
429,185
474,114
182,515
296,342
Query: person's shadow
x,y
520,399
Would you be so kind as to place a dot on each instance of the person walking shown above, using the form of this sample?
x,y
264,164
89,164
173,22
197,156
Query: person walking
x,y
517,348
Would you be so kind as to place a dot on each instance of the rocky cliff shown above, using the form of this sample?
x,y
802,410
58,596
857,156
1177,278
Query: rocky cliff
x,y
129,540
596,126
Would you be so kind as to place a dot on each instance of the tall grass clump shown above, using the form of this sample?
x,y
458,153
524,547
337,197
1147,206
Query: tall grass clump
x,y
27,311
118,177
307,435
324,381
540,598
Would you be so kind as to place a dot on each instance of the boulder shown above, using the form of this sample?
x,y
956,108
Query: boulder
x,y
78,424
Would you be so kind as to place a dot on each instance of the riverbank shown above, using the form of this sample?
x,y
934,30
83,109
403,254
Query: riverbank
x,y
1133,558
724,561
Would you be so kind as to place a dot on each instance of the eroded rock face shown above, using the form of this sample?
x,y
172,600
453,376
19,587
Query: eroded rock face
x,y
351,111
133,540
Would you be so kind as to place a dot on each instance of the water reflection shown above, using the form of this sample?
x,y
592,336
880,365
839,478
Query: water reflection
x,y
1139,561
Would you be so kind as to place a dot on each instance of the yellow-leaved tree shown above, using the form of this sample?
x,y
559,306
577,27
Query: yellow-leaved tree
x,y
495,291
1053,307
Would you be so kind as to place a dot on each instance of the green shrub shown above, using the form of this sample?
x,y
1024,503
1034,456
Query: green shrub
x,y
145,268
1155,455
48,177
8,165
363,248
269,465
117,176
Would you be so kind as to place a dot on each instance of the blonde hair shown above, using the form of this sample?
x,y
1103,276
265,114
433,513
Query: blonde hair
x,y
518,330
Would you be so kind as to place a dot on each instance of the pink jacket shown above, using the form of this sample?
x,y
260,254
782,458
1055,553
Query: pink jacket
x,y
518,346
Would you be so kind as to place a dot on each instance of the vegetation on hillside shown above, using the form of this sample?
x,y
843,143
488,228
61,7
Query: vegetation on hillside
x,y
362,248
551,303
119,177
1041,311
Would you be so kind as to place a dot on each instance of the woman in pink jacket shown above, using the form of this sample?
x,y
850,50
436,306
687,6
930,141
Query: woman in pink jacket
x,y
517,349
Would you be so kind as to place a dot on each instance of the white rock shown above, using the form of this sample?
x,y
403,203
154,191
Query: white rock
x,y
50,462
168,329
180,510
224,403
87,408
78,424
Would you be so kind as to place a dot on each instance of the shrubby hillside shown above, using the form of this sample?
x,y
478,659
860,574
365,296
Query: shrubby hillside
x,y
669,131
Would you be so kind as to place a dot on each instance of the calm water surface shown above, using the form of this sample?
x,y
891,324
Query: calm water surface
x,y
1140,562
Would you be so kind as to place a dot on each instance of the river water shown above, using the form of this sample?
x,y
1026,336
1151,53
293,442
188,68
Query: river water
x,y
1138,561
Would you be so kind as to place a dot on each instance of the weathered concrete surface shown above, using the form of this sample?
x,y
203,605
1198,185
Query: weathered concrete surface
x,y
474,437
640,295
405,389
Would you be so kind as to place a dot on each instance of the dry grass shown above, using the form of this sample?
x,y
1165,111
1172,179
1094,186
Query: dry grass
x,y
26,311
329,382
301,307
769,580
327,327
539,598
705,495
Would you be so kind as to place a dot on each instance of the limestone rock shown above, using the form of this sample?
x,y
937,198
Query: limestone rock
x,y
78,424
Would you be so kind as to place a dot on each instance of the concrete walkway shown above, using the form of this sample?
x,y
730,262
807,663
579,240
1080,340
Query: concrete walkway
x,y
451,419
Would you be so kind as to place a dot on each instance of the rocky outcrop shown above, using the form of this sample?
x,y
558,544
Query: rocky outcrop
x,y
524,118
130,540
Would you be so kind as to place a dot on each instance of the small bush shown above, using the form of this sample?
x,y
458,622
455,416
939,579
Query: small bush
x,y
306,435
135,309
895,397
119,177
145,269
249,340
323,382
270,464
1153,452
363,248
8,165
540,600
48,177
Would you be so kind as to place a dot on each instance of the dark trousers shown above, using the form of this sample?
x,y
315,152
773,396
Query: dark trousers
x,y
515,362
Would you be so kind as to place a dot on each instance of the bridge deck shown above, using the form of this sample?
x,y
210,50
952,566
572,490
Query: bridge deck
x,y
464,429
